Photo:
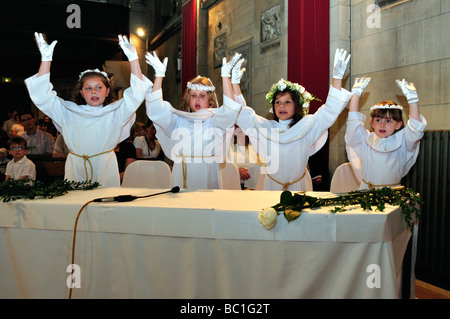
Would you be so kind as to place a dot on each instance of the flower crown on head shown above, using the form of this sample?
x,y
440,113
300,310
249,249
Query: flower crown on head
x,y
387,107
305,96
94,71
201,87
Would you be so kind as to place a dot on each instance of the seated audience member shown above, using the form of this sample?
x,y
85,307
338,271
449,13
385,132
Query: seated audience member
x,y
60,149
126,154
20,167
147,146
3,161
138,129
39,142
17,128
7,125
243,154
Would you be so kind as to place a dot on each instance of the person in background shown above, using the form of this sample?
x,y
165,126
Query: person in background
x,y
20,167
3,162
39,142
147,146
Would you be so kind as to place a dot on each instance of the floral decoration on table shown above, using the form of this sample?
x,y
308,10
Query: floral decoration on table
x,y
291,205
12,190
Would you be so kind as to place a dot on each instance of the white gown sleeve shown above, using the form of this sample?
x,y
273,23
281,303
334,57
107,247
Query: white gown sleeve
x,y
355,141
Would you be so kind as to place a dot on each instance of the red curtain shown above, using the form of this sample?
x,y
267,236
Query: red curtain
x,y
308,63
189,42
308,46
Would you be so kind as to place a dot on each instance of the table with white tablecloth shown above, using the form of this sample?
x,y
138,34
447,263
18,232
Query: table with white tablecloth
x,y
197,244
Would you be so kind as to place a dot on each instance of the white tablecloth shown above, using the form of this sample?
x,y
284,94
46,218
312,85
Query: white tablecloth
x,y
196,244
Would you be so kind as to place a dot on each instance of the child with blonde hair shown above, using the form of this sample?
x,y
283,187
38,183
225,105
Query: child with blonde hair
x,y
286,143
197,137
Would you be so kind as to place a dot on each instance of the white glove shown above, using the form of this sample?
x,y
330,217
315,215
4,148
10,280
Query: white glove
x,y
226,67
340,63
159,67
237,72
408,90
360,85
45,49
128,48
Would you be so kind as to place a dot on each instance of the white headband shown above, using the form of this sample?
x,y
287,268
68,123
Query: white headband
x,y
94,71
387,106
201,87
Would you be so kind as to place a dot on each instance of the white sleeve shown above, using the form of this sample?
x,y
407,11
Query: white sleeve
x,y
159,112
133,97
45,98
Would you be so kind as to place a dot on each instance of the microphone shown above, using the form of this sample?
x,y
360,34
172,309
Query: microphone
x,y
129,198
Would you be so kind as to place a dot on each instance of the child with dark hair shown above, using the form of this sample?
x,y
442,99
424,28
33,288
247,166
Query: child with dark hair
x,y
383,156
94,123
286,143
20,167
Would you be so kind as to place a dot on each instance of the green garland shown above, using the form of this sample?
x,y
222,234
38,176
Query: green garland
x,y
407,199
12,190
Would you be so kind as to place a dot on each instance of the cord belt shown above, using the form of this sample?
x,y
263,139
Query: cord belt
x,y
372,186
86,159
183,163
286,185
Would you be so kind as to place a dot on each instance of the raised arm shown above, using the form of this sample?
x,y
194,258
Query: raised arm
x,y
46,53
226,74
357,90
236,76
159,67
131,53
341,60
410,92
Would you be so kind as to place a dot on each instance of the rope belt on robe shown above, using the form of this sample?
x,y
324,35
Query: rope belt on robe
x,y
286,185
183,163
372,186
86,159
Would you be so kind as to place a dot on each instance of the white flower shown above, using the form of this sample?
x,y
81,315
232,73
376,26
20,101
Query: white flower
x,y
281,85
268,217
307,96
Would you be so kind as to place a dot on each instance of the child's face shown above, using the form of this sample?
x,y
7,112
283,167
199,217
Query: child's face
x,y
17,151
284,106
94,91
385,127
198,100
140,131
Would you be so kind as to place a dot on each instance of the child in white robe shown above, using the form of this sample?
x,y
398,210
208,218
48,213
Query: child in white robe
x,y
287,142
383,157
92,127
196,138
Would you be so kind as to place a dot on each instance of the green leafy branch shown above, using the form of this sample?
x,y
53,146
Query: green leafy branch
x,y
12,189
407,199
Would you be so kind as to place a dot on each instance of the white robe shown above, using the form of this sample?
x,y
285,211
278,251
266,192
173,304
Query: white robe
x,y
382,161
286,150
90,130
196,142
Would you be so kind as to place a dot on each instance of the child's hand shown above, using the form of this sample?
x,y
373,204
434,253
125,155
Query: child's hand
x,y
408,90
340,63
360,85
45,49
226,67
128,48
158,66
237,72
